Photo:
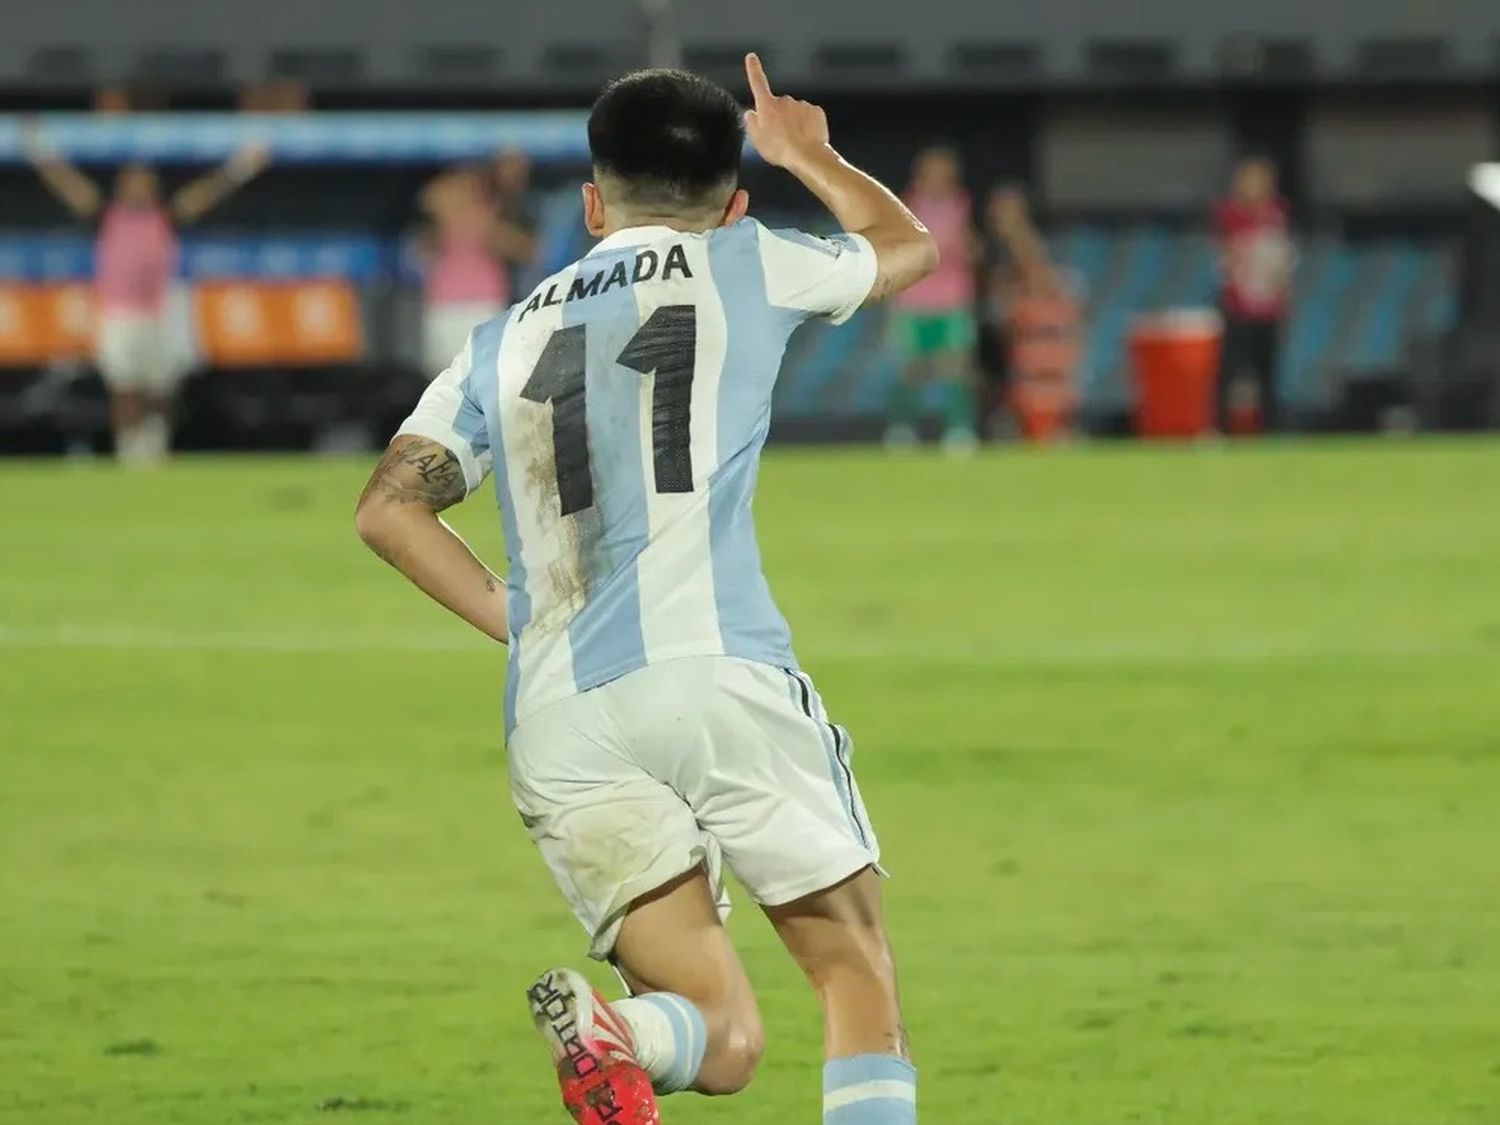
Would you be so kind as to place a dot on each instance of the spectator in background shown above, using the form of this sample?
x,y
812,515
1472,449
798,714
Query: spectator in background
x,y
465,283
1033,313
135,263
1256,259
516,235
996,269
479,229
933,321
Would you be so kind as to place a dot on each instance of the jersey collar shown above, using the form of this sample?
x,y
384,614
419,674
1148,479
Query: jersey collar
x,y
635,236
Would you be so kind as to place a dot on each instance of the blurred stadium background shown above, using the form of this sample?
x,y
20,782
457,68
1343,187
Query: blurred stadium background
x,y
1122,128
1184,755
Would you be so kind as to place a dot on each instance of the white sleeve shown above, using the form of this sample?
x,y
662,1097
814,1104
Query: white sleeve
x,y
828,276
448,414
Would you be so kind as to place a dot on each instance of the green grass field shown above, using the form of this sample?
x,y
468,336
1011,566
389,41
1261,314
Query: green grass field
x,y
1186,764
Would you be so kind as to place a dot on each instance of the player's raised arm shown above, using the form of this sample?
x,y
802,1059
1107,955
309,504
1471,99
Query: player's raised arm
x,y
398,519
76,191
793,134
196,198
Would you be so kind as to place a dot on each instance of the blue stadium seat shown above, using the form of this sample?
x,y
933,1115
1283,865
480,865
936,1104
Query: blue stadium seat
x,y
1142,256
1382,319
1324,277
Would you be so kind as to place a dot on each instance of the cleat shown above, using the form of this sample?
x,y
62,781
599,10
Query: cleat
x,y
592,1049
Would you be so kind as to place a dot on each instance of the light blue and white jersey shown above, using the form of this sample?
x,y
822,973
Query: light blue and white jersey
x,y
623,406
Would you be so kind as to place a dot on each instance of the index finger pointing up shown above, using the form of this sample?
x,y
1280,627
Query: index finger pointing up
x,y
760,88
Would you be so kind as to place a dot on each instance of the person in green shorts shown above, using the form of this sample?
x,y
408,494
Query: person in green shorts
x,y
932,323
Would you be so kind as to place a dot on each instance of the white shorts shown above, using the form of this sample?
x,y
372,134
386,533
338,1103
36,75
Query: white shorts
x,y
446,328
690,761
131,352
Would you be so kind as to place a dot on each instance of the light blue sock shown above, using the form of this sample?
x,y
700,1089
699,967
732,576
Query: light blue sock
x,y
670,1037
869,1090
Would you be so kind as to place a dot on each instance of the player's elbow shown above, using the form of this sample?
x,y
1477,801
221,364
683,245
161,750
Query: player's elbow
x,y
910,258
924,252
904,254
374,524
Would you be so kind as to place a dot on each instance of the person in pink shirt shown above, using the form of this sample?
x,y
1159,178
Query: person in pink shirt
x,y
467,249
933,321
135,264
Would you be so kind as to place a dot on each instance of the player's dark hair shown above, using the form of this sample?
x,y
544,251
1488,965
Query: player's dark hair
x,y
670,140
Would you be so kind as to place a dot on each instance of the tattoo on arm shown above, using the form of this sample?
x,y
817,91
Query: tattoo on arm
x,y
415,470
884,286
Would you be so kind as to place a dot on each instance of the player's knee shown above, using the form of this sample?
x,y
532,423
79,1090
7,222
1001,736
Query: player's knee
x,y
734,1056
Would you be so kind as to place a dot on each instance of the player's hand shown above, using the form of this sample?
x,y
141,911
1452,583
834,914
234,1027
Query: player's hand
x,y
33,145
249,161
783,129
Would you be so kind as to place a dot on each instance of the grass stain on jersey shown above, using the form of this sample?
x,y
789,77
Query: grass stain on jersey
x,y
564,552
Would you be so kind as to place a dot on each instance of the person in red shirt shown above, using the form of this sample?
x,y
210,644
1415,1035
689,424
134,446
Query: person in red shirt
x,y
1256,258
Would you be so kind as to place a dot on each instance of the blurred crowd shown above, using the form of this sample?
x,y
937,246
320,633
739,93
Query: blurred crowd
x,y
992,343
995,338
477,231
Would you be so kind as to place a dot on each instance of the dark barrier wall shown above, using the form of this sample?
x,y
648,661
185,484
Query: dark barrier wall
x,y
567,45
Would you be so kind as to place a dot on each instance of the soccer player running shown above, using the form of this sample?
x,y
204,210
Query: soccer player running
x,y
135,261
658,724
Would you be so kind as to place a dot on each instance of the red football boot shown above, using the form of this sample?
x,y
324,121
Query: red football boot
x,y
593,1051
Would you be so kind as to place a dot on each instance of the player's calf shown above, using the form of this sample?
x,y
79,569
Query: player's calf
x,y
868,1078
838,938
693,1012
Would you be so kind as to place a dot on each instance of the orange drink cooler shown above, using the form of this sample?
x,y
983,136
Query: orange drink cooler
x,y
1174,363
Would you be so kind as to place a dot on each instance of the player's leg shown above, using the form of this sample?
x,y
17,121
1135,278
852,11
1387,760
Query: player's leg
x,y
690,1022
838,938
954,369
692,1010
156,427
1231,367
774,784
1267,353
992,358
160,390
127,412
628,855
904,403
115,358
159,378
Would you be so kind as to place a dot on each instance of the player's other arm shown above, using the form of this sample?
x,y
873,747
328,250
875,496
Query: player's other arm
x,y
793,134
75,190
196,198
397,517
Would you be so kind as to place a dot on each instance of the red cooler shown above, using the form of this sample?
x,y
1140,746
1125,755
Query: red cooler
x,y
1174,362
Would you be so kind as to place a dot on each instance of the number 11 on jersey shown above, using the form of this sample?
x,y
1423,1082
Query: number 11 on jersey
x,y
666,344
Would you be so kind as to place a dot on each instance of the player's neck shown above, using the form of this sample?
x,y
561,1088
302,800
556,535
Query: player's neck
x,y
688,224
